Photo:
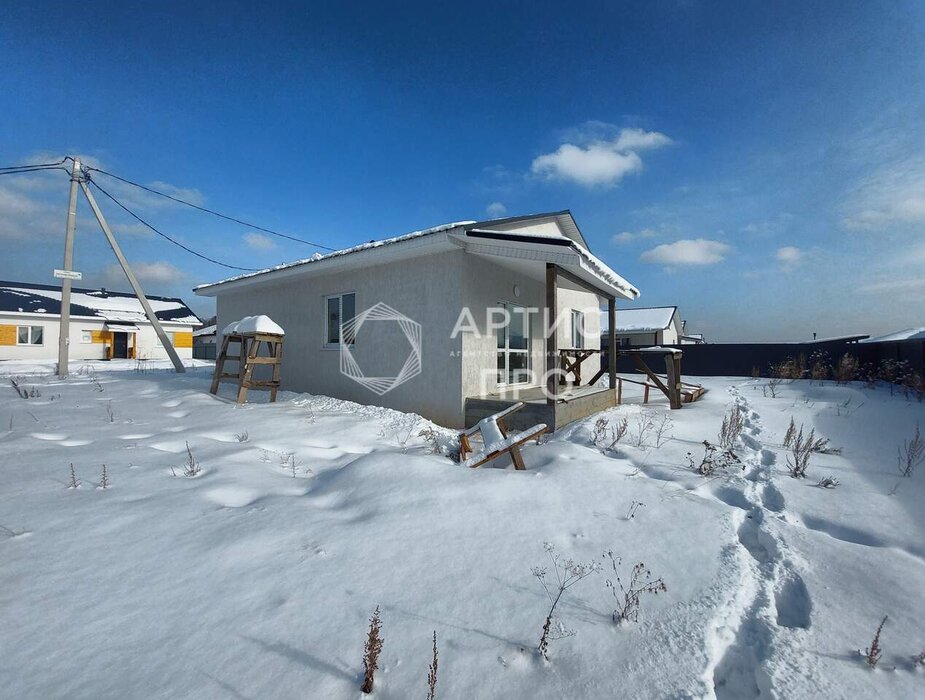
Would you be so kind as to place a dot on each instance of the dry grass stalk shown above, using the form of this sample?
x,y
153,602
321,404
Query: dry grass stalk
x,y
911,454
371,651
628,598
74,482
568,573
732,427
432,673
873,653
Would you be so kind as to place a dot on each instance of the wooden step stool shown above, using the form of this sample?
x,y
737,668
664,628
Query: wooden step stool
x,y
249,357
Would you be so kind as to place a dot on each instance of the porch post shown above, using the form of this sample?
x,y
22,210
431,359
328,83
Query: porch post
x,y
552,352
612,341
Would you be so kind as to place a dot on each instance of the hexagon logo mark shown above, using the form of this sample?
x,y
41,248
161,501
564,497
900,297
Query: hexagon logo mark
x,y
348,364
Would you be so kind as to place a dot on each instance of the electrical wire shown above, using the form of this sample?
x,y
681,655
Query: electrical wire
x,y
169,238
210,211
34,165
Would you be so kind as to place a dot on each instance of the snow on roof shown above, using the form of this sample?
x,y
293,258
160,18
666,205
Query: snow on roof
x,y
23,297
337,253
906,334
254,324
208,330
598,266
645,320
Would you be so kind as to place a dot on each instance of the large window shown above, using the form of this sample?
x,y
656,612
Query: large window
x,y
30,335
339,309
578,329
514,346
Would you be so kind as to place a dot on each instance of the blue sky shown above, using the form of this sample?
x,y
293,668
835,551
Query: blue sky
x,y
762,165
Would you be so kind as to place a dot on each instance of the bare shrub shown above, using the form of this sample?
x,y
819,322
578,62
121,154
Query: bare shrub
x,y
191,467
432,673
820,365
714,459
732,427
23,392
873,653
242,436
773,384
911,454
847,369
604,436
828,482
800,451
641,428
74,483
756,373
662,427
432,437
104,479
371,651
568,573
919,659
628,597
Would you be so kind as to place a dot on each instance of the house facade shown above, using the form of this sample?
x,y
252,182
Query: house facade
x,y
478,292
649,326
104,325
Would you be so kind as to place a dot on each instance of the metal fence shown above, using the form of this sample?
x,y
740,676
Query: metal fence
x,y
742,359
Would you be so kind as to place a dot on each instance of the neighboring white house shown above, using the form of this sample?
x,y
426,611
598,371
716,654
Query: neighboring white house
x,y
478,291
104,324
655,325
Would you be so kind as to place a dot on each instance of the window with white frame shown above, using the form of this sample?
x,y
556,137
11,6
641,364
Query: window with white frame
x,y
339,309
30,335
86,336
578,329
514,346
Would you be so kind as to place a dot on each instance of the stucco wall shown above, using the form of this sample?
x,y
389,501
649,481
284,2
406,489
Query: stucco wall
x,y
427,289
78,350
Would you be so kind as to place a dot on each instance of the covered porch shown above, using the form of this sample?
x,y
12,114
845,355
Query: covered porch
x,y
566,381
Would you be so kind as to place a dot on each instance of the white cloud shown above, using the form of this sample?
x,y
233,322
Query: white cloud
x,y
906,285
894,195
160,272
599,162
789,255
496,210
625,237
133,229
640,140
258,241
697,251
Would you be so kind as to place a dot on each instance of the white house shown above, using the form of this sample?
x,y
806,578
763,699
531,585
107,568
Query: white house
x,y
467,303
104,325
646,326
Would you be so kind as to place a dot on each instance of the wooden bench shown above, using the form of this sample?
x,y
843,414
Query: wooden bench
x,y
496,440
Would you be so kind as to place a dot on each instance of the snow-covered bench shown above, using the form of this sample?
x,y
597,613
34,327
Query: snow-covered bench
x,y
496,441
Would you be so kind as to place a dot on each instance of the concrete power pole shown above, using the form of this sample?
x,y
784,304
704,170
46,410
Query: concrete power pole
x,y
64,328
149,312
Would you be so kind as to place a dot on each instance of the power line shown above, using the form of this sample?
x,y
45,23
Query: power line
x,y
34,165
164,235
210,211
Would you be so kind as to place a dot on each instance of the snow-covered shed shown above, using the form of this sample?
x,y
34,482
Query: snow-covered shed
x,y
104,325
653,325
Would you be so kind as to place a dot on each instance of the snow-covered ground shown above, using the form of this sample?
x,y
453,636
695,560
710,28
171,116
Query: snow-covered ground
x,y
256,577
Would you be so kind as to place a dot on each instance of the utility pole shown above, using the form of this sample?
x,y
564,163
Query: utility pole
x,y
149,312
64,328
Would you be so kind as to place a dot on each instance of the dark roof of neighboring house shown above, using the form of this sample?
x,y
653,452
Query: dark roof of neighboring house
x,y
26,297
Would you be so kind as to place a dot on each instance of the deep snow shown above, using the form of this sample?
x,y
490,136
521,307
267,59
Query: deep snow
x,y
256,578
